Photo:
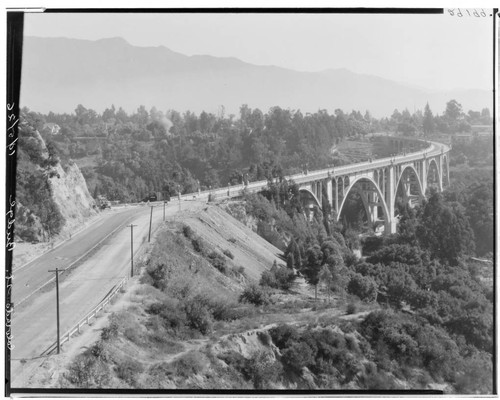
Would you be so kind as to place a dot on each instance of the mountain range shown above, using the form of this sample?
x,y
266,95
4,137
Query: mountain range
x,y
60,73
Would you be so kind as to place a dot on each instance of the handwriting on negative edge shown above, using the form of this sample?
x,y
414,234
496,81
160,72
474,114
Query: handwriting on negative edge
x,y
10,244
470,12
8,314
13,121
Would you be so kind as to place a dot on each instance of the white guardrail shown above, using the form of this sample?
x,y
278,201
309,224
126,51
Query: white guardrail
x,y
86,320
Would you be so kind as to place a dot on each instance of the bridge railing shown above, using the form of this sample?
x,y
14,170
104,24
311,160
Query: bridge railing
x,y
432,150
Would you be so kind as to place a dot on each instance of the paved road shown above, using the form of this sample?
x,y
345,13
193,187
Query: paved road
x,y
30,277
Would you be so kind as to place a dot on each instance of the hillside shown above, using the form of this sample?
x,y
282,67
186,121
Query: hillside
x,y
52,198
59,73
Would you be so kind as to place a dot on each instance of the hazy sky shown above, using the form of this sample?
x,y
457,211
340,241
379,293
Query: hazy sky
x,y
434,51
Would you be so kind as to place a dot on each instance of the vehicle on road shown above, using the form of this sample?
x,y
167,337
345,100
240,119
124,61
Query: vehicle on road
x,y
103,202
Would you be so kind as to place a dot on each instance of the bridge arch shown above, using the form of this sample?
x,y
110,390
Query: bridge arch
x,y
415,174
381,199
309,194
433,174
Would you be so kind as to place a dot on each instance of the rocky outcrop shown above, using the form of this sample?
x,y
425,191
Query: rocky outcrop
x,y
70,193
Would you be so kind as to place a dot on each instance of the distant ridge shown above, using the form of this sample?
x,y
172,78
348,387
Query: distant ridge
x,y
60,73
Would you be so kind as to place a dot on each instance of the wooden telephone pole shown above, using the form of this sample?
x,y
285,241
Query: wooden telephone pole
x,y
57,270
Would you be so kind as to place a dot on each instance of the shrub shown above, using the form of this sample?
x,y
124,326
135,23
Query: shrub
x,y
264,338
110,331
171,313
234,359
88,371
268,279
129,370
278,277
190,364
218,261
159,274
198,315
298,356
253,294
187,231
232,240
199,245
228,254
364,287
352,308
262,370
284,335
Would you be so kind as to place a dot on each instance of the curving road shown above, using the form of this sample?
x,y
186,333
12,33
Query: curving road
x,y
31,277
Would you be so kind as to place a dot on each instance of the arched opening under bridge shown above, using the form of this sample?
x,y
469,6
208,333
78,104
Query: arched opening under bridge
x,y
363,207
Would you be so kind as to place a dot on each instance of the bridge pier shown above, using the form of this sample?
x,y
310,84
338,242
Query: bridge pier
x,y
390,222
329,193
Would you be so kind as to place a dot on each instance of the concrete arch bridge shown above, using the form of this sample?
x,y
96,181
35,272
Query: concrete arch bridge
x,y
379,182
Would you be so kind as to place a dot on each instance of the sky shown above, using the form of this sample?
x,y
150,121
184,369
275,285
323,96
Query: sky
x,y
437,52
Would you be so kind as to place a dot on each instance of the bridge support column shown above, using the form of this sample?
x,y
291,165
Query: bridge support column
x,y
440,173
329,192
391,223
423,175
336,198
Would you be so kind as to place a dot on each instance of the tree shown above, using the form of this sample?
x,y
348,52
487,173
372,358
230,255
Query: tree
x,y
326,277
312,267
428,124
444,230
454,116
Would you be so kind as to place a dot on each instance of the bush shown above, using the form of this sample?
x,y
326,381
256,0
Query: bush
x,y
253,294
352,308
199,245
268,279
262,370
284,335
159,274
298,356
264,337
171,313
228,254
190,364
278,277
129,370
363,287
110,331
187,231
198,315
88,371
218,261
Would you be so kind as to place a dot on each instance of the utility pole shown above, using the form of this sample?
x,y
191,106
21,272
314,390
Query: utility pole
x,y
57,308
132,250
150,222
179,195
164,202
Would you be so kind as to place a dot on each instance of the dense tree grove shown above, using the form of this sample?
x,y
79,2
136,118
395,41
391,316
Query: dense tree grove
x,y
127,156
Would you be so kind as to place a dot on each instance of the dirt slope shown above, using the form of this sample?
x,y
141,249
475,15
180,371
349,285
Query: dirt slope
x,y
224,232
